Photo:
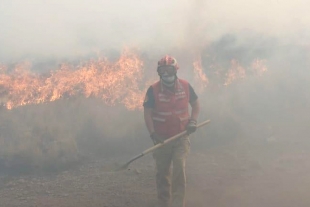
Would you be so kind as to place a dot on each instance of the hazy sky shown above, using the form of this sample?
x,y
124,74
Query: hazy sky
x,y
67,28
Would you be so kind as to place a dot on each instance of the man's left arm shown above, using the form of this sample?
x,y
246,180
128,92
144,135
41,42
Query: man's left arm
x,y
195,109
195,105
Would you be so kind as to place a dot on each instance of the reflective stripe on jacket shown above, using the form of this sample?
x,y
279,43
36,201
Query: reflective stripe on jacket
x,y
170,114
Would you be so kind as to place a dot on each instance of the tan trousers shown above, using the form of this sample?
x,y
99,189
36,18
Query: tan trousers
x,y
175,153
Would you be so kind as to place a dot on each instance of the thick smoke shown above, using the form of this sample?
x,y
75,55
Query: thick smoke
x,y
70,29
278,33
259,124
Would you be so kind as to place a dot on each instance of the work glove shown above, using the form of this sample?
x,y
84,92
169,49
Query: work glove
x,y
191,126
156,138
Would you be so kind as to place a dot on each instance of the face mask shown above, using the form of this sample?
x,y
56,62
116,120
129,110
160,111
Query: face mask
x,y
168,80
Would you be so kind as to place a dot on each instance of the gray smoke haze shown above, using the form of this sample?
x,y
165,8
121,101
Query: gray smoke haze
x,y
259,124
74,28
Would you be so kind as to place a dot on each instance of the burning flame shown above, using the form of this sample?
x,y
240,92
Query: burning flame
x,y
236,71
119,82
200,77
114,83
259,67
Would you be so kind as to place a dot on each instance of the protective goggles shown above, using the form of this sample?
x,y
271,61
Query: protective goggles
x,y
169,70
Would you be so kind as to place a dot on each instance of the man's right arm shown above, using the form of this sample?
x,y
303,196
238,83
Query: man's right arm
x,y
148,119
149,103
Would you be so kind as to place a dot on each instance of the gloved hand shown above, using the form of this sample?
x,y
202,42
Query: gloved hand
x,y
157,138
191,126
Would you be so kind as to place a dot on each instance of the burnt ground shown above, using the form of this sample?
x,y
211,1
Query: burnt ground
x,y
272,173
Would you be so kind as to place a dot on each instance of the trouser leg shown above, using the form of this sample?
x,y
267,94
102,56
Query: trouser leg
x,y
180,151
163,158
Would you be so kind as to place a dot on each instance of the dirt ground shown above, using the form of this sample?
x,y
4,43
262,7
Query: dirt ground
x,y
269,174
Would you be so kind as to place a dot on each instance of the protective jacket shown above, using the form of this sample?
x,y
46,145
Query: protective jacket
x,y
170,114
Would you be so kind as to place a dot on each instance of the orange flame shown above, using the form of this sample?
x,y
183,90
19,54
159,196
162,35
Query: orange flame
x,y
116,82
200,77
259,67
119,82
236,71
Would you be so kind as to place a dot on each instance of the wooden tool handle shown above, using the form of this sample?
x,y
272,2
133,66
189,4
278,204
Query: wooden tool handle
x,y
151,149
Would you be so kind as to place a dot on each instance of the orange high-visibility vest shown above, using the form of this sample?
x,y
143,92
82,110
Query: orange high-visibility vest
x,y
170,114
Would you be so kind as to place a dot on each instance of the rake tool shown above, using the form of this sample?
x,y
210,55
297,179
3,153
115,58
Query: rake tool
x,y
151,149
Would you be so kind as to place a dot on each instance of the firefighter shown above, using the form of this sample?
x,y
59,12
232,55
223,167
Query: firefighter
x,y
166,113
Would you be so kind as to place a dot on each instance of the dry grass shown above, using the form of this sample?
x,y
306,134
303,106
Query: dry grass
x,y
62,133
55,135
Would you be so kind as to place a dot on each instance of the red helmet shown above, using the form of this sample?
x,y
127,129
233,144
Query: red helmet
x,y
168,60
